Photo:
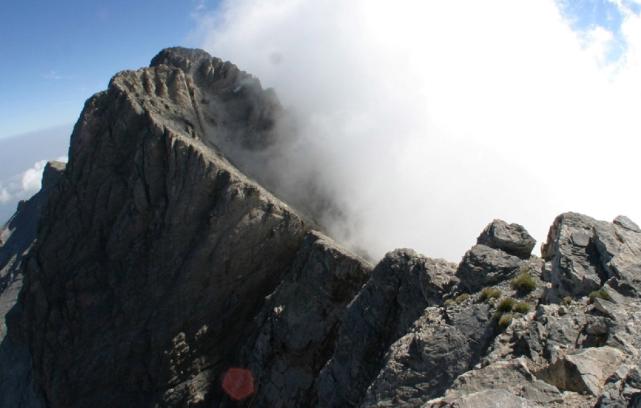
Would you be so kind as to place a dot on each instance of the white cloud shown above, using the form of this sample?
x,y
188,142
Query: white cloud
x,y
428,119
22,186
54,76
5,196
599,42
32,178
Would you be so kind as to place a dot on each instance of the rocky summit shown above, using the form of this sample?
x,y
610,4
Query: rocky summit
x,y
160,269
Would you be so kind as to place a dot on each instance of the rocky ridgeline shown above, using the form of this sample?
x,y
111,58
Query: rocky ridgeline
x,y
157,266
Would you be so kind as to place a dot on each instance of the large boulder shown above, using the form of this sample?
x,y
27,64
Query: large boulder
x,y
421,365
517,385
619,248
585,371
571,251
511,238
401,286
624,222
484,266
584,253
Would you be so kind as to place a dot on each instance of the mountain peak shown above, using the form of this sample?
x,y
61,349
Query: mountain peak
x,y
183,58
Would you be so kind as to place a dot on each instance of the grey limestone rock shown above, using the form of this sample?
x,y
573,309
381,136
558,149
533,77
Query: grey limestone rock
x,y
571,249
401,286
488,398
484,266
625,222
585,371
423,364
622,390
585,253
297,328
511,377
511,238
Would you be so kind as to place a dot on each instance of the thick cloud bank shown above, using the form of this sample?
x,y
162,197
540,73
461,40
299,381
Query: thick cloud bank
x,y
425,120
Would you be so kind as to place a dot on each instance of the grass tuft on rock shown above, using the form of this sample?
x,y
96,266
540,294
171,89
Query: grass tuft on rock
x,y
506,305
461,298
504,321
524,283
521,307
489,293
601,294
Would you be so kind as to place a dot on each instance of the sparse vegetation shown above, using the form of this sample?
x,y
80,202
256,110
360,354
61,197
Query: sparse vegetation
x,y
506,305
457,300
521,307
567,300
489,293
504,321
601,294
524,283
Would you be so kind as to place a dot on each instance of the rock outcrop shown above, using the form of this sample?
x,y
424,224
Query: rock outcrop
x,y
511,238
156,270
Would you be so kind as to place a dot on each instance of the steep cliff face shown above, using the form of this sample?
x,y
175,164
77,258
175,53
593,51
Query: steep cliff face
x,y
163,275
154,255
16,238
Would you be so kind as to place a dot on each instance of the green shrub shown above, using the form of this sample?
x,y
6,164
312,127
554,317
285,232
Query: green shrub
x,y
490,293
504,321
449,303
506,305
601,294
524,283
521,307
461,298
567,300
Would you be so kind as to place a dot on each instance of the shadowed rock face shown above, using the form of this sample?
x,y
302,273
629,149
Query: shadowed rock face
x,y
18,235
155,265
154,255
16,238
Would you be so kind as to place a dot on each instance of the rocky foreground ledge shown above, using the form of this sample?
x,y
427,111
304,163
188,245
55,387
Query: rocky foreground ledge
x,y
162,275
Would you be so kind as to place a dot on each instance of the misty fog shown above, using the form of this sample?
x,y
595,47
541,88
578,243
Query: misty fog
x,y
423,121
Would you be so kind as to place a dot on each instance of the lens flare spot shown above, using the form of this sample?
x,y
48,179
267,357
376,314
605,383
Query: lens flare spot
x,y
238,383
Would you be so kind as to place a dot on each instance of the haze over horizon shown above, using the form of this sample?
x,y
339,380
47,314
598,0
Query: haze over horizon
x,y
424,121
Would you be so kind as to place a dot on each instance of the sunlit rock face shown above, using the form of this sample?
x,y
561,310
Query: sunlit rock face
x,y
156,270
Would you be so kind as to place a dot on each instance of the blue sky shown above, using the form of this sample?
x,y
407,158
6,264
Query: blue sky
x,y
58,53
55,54
584,15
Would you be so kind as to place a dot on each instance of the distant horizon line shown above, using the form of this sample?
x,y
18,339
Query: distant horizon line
x,y
36,131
